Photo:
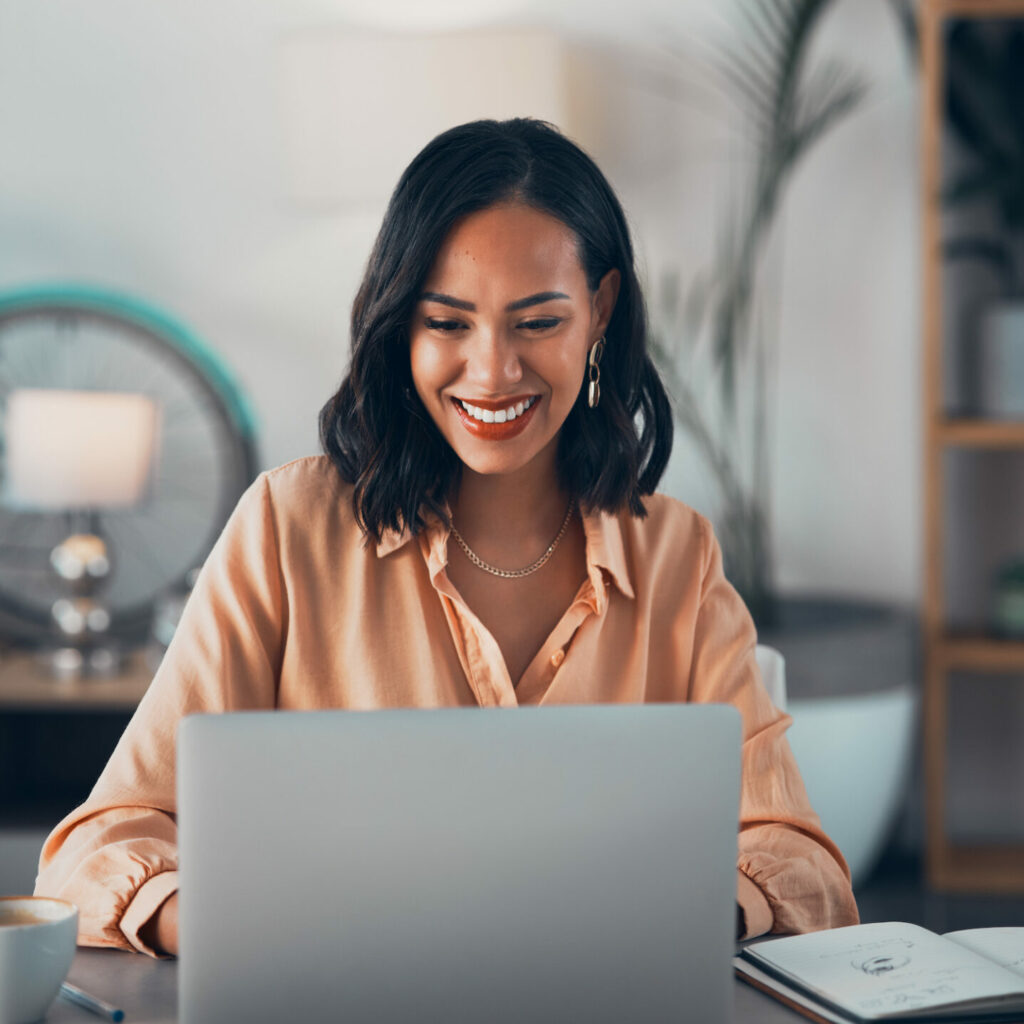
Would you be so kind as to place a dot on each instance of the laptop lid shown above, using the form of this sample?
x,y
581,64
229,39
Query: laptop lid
x,y
535,864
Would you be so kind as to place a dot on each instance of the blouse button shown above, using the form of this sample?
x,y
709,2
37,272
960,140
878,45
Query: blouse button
x,y
557,658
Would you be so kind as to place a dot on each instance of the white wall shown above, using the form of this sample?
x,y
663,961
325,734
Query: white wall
x,y
141,148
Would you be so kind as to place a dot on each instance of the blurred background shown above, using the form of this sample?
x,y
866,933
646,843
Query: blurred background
x,y
188,196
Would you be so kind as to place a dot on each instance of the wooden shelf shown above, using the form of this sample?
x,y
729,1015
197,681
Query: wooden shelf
x,y
975,868
980,653
981,433
951,865
26,686
974,8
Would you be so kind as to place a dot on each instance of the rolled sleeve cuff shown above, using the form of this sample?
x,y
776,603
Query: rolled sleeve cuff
x,y
147,900
757,914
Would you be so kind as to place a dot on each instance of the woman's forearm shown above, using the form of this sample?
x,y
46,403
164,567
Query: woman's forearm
x,y
161,931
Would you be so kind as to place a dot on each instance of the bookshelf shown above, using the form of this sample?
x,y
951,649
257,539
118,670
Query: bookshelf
x,y
951,865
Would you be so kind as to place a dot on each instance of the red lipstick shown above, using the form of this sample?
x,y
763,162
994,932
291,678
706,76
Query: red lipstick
x,y
497,431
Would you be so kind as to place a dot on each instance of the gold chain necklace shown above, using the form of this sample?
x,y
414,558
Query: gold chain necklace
x,y
515,574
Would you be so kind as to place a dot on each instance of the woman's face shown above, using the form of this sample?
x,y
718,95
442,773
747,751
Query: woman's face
x,y
501,333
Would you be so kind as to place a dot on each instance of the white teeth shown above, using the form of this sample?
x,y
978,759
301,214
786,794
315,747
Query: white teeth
x,y
499,415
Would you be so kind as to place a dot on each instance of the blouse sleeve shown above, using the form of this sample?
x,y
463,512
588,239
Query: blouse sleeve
x,y
792,877
115,856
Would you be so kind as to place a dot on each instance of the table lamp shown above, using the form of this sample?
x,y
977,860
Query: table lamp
x,y
79,453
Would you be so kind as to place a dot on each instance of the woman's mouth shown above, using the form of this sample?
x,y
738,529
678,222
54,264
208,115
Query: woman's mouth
x,y
496,421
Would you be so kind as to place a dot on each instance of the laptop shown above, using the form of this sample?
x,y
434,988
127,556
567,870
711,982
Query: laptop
x,y
459,865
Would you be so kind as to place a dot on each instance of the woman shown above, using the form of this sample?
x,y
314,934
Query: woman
x,y
482,530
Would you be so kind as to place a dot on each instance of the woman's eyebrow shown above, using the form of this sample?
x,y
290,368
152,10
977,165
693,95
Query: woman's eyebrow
x,y
534,300
470,307
448,300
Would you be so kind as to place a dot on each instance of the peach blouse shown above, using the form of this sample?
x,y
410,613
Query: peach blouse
x,y
293,610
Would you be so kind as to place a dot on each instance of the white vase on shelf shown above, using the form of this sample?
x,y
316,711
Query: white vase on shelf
x,y
1000,358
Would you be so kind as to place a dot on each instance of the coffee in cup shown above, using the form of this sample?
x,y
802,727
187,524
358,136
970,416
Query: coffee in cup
x,y
37,945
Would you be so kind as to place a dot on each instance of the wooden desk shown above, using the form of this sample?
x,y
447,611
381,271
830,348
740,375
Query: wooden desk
x,y
26,686
146,990
56,735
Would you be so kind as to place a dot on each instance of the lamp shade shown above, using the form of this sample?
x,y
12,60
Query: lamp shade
x,y
77,449
356,105
409,15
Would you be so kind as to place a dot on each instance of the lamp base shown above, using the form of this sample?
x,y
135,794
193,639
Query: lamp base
x,y
67,663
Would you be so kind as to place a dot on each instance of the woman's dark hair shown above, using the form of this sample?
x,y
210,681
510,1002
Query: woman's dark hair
x,y
375,429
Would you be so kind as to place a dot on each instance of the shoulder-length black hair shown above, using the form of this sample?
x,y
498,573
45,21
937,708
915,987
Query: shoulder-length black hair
x,y
375,429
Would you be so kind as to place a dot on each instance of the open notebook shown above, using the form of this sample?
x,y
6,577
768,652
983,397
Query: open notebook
x,y
893,972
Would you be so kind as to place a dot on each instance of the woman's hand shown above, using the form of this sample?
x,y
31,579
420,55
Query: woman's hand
x,y
160,932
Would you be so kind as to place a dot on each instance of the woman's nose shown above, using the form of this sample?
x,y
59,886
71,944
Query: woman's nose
x,y
492,362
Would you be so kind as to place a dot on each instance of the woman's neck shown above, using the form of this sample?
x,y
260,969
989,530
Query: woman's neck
x,y
509,518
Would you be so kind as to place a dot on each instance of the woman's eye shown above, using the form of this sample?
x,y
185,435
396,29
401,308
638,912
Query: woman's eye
x,y
540,323
447,326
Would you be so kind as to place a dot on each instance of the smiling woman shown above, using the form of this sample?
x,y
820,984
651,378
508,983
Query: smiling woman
x,y
499,236
500,395
503,265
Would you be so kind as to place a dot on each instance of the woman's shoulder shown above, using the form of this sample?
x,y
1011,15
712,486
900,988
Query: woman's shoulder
x,y
305,490
668,519
666,551
310,473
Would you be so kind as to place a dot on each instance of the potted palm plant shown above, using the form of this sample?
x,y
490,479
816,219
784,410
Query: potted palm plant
x,y
984,193
848,665
789,104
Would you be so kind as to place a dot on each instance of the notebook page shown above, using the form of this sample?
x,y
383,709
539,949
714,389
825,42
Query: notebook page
x,y
1004,946
878,970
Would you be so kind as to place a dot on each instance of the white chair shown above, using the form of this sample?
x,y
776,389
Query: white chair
x,y
854,754
773,673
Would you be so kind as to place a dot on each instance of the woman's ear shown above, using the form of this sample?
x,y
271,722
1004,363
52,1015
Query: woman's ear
x,y
604,301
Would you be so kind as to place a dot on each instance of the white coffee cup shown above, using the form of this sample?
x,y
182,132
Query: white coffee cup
x,y
37,945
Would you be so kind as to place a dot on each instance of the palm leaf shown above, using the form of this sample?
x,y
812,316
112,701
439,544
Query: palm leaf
x,y
789,107
971,185
985,83
768,30
832,92
977,103
906,18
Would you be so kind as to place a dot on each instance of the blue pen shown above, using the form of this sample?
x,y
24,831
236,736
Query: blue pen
x,y
75,995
